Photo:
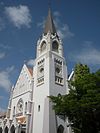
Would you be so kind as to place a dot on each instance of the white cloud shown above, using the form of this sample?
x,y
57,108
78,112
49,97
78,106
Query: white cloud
x,y
57,14
2,55
10,69
64,31
41,24
5,78
88,55
5,46
30,62
19,15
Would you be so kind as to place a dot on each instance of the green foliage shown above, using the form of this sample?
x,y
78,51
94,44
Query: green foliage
x,y
82,104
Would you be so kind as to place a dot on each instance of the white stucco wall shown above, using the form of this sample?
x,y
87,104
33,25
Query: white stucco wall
x,y
22,90
46,89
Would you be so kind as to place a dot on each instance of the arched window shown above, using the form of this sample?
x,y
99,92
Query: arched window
x,y
38,108
0,129
6,129
19,108
43,46
55,46
12,130
60,129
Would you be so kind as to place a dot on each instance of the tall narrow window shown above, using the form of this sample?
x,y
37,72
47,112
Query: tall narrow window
x,y
0,129
12,130
38,108
55,46
43,46
25,107
14,111
6,129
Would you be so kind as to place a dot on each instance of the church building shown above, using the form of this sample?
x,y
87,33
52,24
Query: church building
x,y
30,109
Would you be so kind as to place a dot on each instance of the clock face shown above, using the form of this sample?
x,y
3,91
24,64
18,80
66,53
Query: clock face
x,y
20,106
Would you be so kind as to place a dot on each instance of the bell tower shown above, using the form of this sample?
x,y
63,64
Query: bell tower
x,y
50,78
49,41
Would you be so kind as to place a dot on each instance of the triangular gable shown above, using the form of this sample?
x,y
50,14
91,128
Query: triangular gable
x,y
23,83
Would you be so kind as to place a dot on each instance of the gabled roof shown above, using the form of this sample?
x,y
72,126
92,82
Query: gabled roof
x,y
31,71
49,25
25,78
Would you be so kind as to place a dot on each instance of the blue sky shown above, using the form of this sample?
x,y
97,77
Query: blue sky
x,y
21,24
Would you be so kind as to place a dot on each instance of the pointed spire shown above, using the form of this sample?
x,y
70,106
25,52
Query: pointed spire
x,y
49,25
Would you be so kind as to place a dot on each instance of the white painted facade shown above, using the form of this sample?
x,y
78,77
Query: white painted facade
x,y
30,110
2,118
18,108
45,120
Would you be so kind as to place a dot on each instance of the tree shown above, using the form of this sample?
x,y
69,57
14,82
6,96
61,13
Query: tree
x,y
82,104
